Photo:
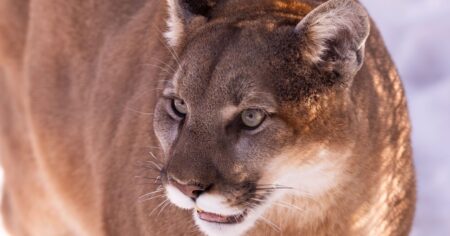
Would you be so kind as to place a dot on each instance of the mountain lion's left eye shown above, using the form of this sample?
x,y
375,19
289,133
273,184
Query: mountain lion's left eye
x,y
252,118
179,107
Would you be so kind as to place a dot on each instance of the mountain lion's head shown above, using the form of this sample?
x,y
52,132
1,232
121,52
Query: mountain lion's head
x,y
257,105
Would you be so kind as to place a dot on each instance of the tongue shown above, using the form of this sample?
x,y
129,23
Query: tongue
x,y
211,217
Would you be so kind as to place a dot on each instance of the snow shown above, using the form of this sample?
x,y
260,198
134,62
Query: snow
x,y
417,33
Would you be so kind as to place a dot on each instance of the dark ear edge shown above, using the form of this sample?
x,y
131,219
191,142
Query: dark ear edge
x,y
334,34
182,13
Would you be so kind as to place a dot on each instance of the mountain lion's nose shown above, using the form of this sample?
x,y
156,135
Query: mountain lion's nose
x,y
190,190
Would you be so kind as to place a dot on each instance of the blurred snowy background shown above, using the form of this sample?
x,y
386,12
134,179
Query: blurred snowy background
x,y
417,33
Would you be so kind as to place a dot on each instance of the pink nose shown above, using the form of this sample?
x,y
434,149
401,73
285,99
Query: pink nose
x,y
190,190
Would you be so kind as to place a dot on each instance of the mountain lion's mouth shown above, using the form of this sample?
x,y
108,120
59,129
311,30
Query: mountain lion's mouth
x,y
221,219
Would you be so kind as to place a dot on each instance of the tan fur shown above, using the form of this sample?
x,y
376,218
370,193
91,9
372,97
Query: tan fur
x,y
79,82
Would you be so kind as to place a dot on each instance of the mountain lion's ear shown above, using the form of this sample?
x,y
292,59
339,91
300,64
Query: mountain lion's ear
x,y
335,34
182,13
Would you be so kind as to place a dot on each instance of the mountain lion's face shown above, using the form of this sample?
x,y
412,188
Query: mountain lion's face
x,y
255,109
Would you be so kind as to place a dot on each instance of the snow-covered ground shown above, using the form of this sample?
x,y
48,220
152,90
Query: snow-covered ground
x,y
417,33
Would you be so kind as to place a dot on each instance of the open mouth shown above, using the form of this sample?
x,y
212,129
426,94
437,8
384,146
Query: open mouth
x,y
221,219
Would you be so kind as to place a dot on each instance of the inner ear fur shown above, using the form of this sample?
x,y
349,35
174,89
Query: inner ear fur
x,y
182,13
334,35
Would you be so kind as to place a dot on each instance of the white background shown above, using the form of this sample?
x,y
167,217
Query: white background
x,y
417,33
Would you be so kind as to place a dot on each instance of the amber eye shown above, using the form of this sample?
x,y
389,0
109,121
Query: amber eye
x,y
179,107
252,118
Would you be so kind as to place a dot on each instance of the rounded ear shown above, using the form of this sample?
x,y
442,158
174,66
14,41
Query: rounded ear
x,y
182,13
334,35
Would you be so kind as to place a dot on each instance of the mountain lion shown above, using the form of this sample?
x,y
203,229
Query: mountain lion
x,y
190,117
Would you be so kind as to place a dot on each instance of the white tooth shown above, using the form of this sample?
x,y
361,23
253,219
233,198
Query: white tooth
x,y
198,209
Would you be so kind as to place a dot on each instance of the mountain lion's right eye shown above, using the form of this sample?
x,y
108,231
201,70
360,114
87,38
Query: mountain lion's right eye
x,y
179,107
